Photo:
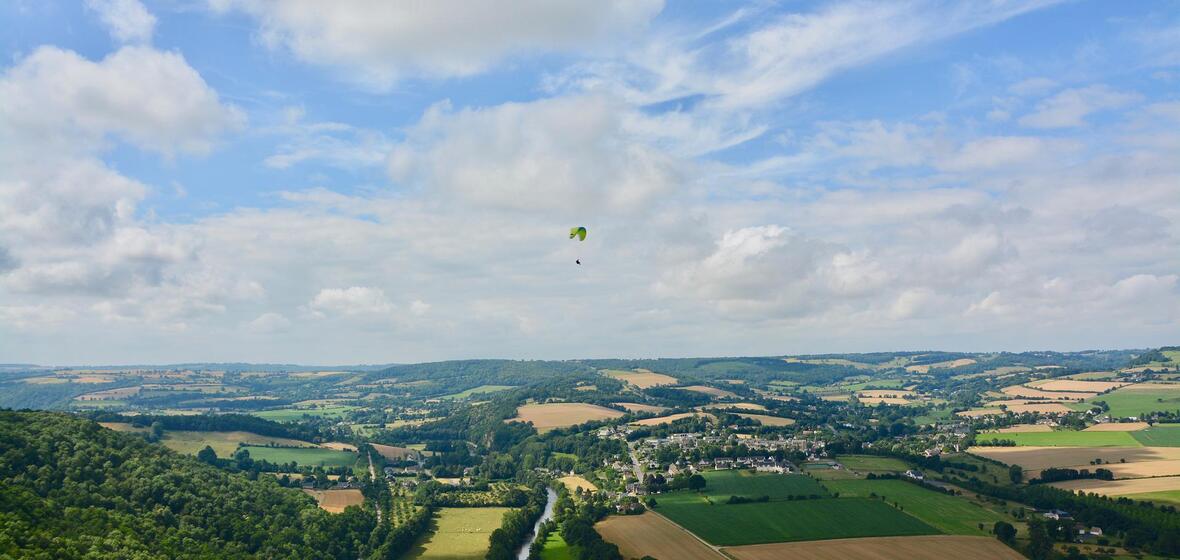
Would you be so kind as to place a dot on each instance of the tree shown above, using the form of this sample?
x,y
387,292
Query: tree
x,y
1016,473
1005,532
1040,545
207,455
696,482
651,502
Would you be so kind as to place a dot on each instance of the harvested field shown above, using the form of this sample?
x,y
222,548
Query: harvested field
x,y
392,452
1093,375
339,446
711,391
767,420
1072,385
935,547
1023,428
574,482
836,398
1065,438
738,405
641,379
1037,458
1118,427
559,415
1049,408
670,418
334,501
888,400
1031,393
950,364
637,407
651,534
1122,487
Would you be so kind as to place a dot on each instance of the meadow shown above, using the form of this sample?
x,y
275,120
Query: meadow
x,y
292,414
949,514
556,548
784,521
871,463
459,534
720,485
304,456
1063,438
1134,400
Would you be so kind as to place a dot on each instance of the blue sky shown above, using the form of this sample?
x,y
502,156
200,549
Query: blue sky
x,y
386,181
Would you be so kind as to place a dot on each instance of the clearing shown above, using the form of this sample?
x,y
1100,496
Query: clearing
x,y
651,534
334,501
548,416
459,534
936,547
641,379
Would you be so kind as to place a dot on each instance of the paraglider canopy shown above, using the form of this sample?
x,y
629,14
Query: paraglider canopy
x,y
579,232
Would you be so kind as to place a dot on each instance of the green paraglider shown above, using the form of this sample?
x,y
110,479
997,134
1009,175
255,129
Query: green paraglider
x,y
579,232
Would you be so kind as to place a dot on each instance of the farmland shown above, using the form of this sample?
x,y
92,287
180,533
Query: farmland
x,y
1160,435
556,548
335,501
292,414
641,408
545,417
1124,462
651,534
711,391
641,379
459,534
393,453
1118,427
481,390
666,419
1063,438
949,514
1130,488
870,463
575,482
306,456
937,547
723,484
224,443
1135,400
767,420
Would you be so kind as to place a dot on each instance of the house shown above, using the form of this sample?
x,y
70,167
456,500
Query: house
x,y
722,463
915,474
1056,514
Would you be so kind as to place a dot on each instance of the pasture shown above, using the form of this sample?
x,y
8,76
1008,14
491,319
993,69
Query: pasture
x,y
334,501
720,485
641,379
1064,438
871,463
303,456
949,514
481,390
768,420
548,416
783,521
459,534
651,534
935,547
291,414
1159,435
1134,400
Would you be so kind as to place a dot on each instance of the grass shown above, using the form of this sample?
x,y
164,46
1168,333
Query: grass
x,y
311,457
872,463
556,548
1169,496
801,520
482,389
1127,402
223,443
1160,435
292,414
459,534
720,485
949,514
1067,439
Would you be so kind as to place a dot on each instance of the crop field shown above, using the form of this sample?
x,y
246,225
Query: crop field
x,y
767,420
1118,427
1172,497
736,405
1123,461
1062,438
641,379
637,407
720,485
306,456
334,501
291,414
936,547
897,401
784,521
392,452
666,419
1031,393
1047,408
651,534
1093,375
459,534
1022,428
1129,488
885,393
949,514
1159,435
574,482
711,391
870,463
1076,385
482,389
559,415
1134,400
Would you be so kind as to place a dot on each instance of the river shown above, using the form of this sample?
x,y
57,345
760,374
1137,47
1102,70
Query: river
x,y
545,516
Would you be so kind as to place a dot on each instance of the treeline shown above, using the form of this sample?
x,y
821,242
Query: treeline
x,y
577,521
1054,474
214,423
434,493
517,525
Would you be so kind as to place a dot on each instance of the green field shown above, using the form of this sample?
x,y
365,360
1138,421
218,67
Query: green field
x,y
292,414
311,457
459,534
1170,496
482,389
1160,435
801,520
872,463
556,548
949,514
720,485
1127,402
1066,439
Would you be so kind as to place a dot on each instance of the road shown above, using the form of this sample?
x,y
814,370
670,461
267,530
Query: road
x,y
373,476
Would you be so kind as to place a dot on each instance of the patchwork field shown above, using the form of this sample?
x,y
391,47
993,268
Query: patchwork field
x,y
949,514
767,420
1062,438
459,534
334,501
651,534
669,418
637,407
871,463
572,483
306,456
641,379
559,415
711,391
1129,488
935,547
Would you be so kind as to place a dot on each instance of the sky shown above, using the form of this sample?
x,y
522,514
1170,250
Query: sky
x,y
394,181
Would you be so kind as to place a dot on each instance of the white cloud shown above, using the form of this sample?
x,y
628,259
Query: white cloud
x,y
356,300
128,21
1004,152
269,323
378,42
1070,107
